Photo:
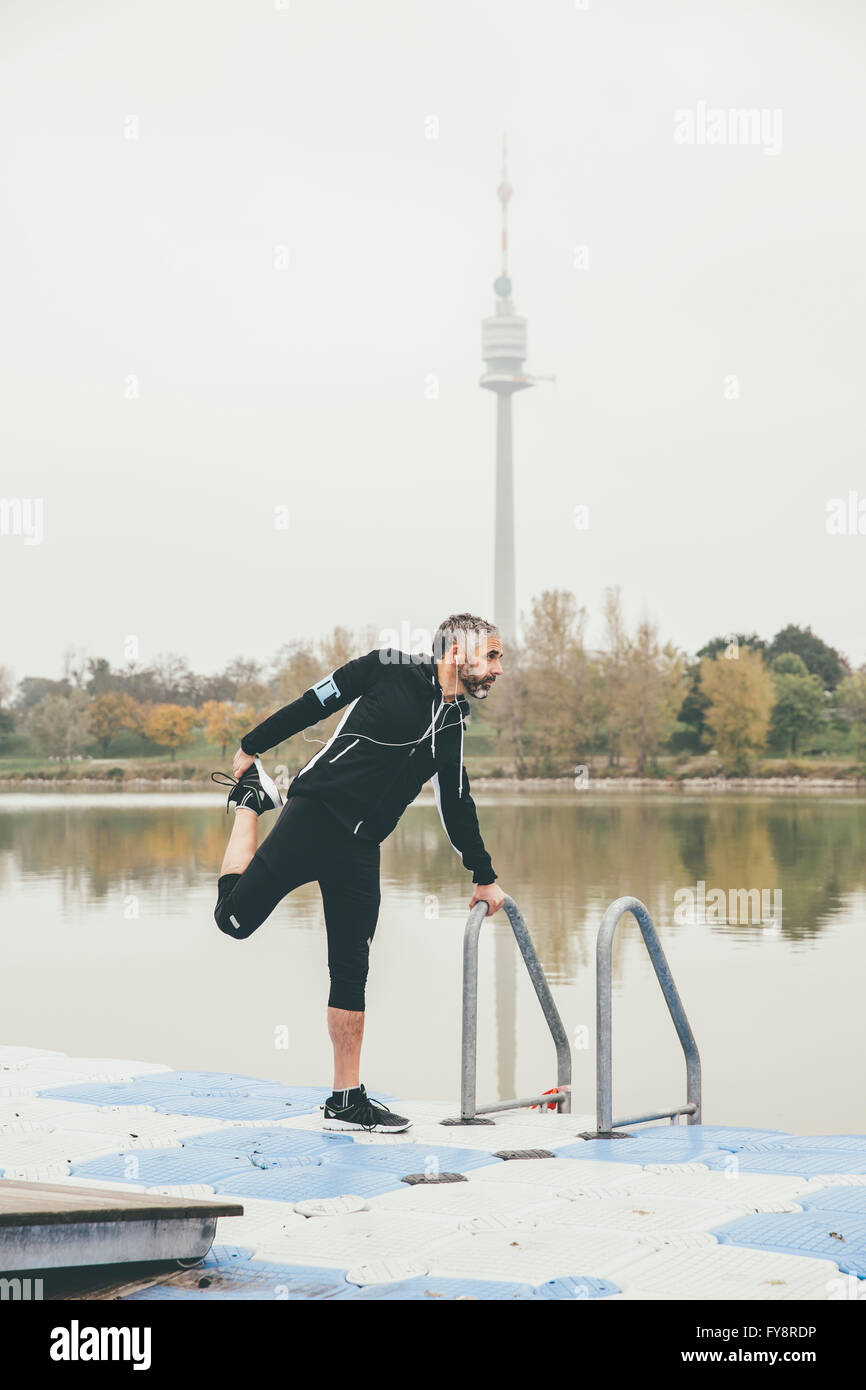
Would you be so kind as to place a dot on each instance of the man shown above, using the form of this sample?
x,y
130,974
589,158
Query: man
x,y
403,726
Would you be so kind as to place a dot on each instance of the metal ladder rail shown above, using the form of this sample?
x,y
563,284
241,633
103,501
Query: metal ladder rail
x,y
469,1040
604,1020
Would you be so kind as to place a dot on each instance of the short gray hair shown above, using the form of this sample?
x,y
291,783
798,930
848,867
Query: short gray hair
x,y
457,628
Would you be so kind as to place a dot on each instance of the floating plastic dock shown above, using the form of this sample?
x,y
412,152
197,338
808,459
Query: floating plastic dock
x,y
521,1207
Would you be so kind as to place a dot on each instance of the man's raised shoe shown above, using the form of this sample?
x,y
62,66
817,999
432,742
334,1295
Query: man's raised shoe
x,y
255,791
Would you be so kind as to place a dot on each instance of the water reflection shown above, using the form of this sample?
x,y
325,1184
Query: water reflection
x,y
73,863
568,858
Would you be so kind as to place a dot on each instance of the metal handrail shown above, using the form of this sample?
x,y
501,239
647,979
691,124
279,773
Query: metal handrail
x,y
604,1016
468,1107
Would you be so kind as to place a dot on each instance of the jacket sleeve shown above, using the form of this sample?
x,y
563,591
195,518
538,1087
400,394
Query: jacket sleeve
x,y
331,693
458,814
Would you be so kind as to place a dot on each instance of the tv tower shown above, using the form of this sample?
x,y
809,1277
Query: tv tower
x,y
503,348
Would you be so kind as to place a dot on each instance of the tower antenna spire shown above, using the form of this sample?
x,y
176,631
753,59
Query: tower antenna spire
x,y
504,194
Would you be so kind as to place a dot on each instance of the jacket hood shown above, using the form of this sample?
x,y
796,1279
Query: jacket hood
x,y
425,669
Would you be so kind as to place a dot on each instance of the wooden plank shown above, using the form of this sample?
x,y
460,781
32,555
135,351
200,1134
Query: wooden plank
x,y
40,1204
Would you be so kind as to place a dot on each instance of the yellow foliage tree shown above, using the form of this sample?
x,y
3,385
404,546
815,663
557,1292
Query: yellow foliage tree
x,y
655,687
110,712
226,723
171,726
741,695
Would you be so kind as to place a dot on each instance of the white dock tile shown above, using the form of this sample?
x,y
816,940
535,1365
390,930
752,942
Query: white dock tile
x,y
331,1206
748,1191
38,1078
96,1068
346,1241
727,1271
567,1175
476,1206
40,1145
533,1256
42,1110
840,1180
390,1140
520,1131
136,1130
386,1271
102,1183
262,1224
36,1172
659,1215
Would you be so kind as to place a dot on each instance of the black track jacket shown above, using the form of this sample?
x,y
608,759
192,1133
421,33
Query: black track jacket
x,y
397,733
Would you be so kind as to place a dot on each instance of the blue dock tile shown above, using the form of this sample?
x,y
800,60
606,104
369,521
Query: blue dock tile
x,y
147,1090
262,1105
795,1143
715,1136
208,1082
277,1142
412,1158
302,1099
436,1290
164,1167
797,1163
300,1184
830,1235
239,1279
845,1199
642,1150
220,1255
577,1286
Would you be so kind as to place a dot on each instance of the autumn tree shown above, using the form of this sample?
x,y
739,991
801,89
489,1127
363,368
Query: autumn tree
x,y
506,713
655,683
60,724
612,663
111,712
741,696
553,686
338,648
173,681
692,733
297,667
171,726
225,722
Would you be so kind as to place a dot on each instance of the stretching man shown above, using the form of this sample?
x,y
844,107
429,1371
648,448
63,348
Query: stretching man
x,y
403,726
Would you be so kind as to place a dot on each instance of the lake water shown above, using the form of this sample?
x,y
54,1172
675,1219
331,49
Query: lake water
x,y
109,949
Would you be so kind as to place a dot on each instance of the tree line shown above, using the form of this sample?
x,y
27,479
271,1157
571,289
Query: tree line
x,y
629,701
637,697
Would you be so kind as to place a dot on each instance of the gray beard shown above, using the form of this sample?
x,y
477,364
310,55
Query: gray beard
x,y
472,684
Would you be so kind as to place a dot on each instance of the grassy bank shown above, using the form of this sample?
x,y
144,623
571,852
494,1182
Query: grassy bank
x,y
194,768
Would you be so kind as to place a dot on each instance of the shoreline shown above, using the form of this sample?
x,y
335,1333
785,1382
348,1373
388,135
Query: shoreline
x,y
510,785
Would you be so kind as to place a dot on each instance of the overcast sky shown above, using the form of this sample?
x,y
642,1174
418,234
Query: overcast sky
x,y
246,251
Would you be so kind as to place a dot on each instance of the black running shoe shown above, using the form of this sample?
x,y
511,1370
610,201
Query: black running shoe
x,y
255,791
353,1109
